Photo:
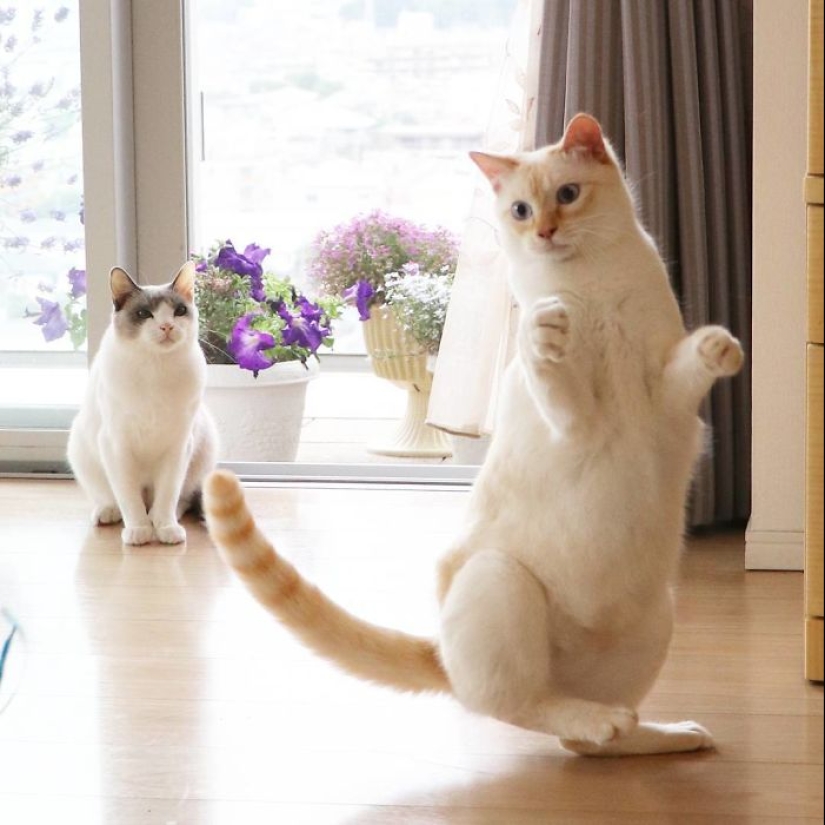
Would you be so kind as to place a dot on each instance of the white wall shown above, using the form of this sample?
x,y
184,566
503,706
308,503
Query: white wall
x,y
775,537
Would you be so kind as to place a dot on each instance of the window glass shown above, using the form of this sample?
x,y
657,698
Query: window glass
x,y
42,263
306,115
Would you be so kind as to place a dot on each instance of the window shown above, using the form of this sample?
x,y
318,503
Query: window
x,y
304,116
42,258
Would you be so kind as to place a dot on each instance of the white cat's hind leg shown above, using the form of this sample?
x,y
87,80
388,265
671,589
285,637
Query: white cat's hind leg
x,y
89,474
649,738
497,653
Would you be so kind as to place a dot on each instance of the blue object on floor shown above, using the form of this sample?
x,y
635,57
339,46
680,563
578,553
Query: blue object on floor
x,y
4,651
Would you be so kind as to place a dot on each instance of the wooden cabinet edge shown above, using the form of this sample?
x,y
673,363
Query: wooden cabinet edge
x,y
814,650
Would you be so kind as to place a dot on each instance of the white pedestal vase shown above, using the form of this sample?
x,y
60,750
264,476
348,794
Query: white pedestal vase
x,y
396,356
259,419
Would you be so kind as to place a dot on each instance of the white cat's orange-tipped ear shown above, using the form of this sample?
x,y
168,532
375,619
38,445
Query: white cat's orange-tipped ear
x,y
122,286
495,167
583,134
184,282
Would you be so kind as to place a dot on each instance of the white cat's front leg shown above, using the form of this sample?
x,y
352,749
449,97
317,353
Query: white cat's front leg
x,y
555,369
549,330
709,353
168,483
121,473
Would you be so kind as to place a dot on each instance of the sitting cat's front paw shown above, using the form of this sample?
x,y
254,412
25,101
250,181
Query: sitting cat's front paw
x,y
720,351
170,533
142,534
550,329
107,514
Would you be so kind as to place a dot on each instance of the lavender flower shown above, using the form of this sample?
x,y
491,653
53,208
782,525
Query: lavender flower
x,y
51,319
369,247
77,278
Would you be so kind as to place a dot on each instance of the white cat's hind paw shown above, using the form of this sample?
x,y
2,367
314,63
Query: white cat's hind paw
x,y
598,724
721,352
142,534
170,533
692,735
107,514
550,329
648,738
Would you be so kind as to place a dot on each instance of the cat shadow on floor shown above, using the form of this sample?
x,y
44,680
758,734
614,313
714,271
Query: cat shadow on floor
x,y
561,788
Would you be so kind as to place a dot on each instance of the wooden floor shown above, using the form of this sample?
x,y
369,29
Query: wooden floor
x,y
151,689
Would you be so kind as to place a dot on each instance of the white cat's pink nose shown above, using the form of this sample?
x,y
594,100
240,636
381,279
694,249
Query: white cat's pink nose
x,y
166,327
547,232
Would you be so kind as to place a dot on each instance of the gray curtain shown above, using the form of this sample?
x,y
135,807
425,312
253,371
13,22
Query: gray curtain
x,y
670,81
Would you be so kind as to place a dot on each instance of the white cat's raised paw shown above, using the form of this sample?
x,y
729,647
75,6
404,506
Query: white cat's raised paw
x,y
170,533
142,534
720,351
550,329
107,514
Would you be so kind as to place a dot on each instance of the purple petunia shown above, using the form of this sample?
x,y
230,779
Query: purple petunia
x,y
51,319
246,344
247,263
77,278
304,329
360,294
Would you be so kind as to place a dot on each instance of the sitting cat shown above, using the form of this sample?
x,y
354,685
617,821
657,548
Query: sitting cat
x,y
143,441
556,607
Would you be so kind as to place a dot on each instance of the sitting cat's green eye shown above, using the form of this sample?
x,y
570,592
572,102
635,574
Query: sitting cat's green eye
x,y
521,210
143,314
567,193
180,309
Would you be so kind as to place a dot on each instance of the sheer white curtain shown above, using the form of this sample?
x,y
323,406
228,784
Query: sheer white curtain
x,y
476,342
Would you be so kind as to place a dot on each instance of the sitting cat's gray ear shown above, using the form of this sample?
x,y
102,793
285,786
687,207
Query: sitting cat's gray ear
x,y
122,286
495,167
184,282
583,134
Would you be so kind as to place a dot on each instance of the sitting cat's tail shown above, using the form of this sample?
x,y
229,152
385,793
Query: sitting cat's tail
x,y
370,652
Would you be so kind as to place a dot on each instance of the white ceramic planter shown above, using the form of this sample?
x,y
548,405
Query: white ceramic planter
x,y
397,357
259,419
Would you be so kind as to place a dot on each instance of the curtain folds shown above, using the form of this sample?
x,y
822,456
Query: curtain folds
x,y
670,81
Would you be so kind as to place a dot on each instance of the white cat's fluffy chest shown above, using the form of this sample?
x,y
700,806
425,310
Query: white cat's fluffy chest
x,y
595,513
147,404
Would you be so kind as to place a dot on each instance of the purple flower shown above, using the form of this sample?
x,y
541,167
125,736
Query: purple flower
x,y
77,278
254,253
246,344
51,319
360,294
309,311
248,264
301,330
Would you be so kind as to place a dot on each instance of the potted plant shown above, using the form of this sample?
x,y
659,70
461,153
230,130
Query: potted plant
x,y
260,336
385,265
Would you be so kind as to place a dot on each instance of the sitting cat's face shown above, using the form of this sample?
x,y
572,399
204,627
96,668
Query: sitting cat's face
x,y
563,201
157,319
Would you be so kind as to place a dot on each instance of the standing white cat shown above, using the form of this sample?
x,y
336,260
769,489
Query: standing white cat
x,y
556,609
143,441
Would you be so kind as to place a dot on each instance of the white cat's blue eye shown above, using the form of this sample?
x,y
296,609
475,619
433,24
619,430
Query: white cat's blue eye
x,y
567,194
180,309
521,210
143,314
